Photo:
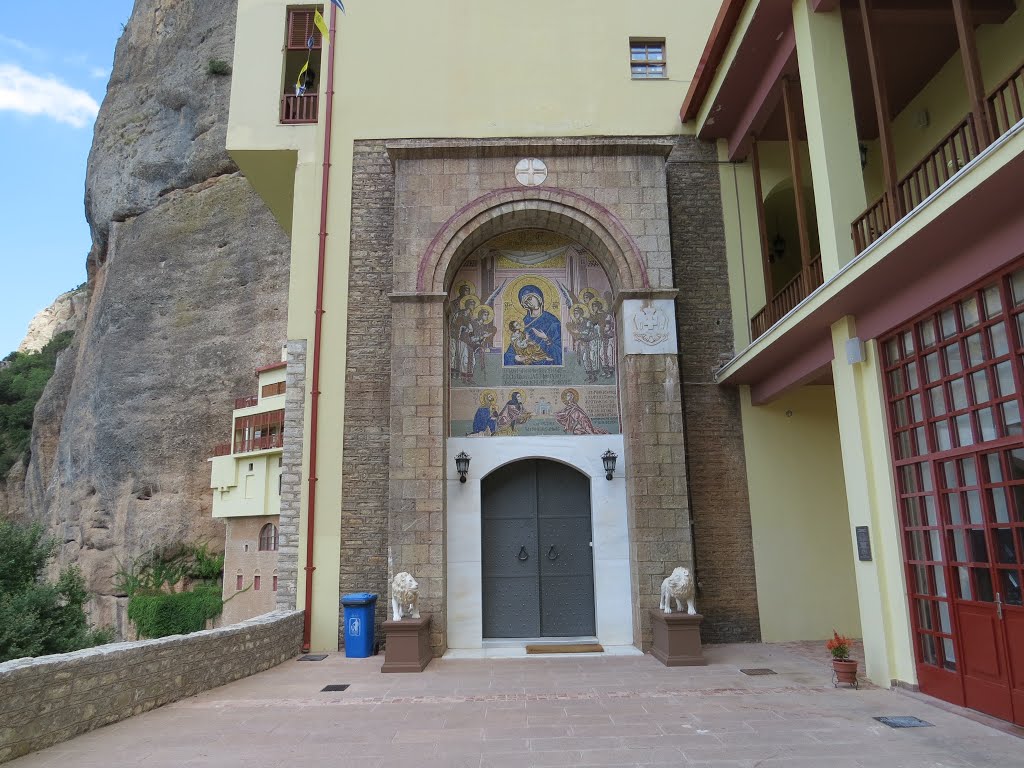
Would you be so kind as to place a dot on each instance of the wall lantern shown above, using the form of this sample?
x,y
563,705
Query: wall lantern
x,y
863,156
609,463
462,465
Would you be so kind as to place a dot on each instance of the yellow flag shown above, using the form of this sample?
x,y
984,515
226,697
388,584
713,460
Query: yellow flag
x,y
300,87
318,19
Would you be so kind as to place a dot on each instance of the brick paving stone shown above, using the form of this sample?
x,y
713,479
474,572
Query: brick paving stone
x,y
535,713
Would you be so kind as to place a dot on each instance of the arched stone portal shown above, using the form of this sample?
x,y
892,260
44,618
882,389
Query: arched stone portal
x,y
641,516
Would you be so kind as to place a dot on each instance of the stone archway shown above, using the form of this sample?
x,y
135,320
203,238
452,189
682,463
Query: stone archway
x,y
650,483
558,210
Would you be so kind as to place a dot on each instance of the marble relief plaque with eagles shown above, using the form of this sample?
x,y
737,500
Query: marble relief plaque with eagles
x,y
531,340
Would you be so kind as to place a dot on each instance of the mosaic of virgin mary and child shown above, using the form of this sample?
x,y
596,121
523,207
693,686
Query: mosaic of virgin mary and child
x,y
536,339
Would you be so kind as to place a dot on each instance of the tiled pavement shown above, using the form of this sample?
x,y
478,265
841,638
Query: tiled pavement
x,y
615,711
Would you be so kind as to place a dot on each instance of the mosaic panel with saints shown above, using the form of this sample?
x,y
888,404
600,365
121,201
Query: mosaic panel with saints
x,y
532,340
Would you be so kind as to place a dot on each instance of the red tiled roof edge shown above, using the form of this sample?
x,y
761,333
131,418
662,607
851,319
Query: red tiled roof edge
x,y
271,367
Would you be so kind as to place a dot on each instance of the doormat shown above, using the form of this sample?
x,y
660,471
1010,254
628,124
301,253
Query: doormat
x,y
334,687
313,657
903,721
565,648
758,671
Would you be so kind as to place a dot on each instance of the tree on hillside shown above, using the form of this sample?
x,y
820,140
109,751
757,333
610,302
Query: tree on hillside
x,y
23,376
36,617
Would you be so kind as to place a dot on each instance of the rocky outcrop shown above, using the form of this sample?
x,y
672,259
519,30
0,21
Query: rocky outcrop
x,y
188,276
64,314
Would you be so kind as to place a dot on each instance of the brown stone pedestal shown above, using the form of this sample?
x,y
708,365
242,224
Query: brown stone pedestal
x,y
407,645
677,639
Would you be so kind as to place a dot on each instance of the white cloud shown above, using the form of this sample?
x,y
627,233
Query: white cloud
x,y
22,91
18,44
99,73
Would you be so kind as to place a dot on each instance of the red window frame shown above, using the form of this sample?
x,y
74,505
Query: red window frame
x,y
953,383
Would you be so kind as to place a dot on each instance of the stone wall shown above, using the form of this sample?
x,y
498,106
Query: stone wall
x,y
659,514
291,477
364,505
50,699
719,504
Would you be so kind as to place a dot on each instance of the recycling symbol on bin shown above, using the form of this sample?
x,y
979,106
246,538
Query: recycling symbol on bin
x,y
355,626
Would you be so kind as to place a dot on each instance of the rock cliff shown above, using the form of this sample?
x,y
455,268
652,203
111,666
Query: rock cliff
x,y
188,277
64,314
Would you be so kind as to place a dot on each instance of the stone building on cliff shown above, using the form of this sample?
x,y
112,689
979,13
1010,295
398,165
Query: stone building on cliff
x,y
505,242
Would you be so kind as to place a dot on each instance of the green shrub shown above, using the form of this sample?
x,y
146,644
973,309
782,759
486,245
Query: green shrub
x,y
175,613
218,67
38,618
150,581
22,380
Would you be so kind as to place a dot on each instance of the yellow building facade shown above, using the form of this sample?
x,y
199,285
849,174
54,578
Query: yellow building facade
x,y
245,476
902,132
444,162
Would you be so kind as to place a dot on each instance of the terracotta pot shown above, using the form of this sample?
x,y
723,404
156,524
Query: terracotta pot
x,y
845,671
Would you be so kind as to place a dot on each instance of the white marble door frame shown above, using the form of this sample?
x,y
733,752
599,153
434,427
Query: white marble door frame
x,y
612,593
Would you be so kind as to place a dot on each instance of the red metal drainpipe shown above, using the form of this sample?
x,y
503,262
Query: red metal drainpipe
x,y
314,411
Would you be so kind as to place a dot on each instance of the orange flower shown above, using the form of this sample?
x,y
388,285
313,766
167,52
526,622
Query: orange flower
x,y
839,646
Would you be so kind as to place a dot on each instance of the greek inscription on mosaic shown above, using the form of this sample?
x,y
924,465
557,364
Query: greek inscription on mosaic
x,y
532,340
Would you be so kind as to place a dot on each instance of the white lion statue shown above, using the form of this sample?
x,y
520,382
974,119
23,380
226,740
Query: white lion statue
x,y
679,586
404,595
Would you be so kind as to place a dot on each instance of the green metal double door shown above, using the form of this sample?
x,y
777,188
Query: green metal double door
x,y
537,552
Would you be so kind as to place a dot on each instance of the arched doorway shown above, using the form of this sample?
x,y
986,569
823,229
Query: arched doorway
x,y
537,551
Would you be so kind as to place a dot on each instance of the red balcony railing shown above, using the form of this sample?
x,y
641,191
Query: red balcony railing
x,y
299,109
957,148
792,293
222,449
247,402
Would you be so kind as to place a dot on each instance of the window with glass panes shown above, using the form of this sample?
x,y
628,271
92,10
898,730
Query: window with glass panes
x,y
647,59
953,384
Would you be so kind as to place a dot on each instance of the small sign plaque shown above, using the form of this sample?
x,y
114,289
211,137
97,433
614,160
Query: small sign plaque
x,y
863,543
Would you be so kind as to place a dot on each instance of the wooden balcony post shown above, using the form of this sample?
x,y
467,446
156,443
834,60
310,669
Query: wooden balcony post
x,y
762,228
881,96
972,72
797,172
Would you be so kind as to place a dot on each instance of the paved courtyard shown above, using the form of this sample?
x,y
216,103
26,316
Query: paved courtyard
x,y
590,711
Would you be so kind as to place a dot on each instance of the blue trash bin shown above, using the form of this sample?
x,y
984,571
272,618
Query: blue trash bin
x,y
359,609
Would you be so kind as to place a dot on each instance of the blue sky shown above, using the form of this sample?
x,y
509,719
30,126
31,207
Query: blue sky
x,y
52,80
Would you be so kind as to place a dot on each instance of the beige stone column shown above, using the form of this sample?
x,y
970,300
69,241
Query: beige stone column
x,y
655,460
416,524
831,131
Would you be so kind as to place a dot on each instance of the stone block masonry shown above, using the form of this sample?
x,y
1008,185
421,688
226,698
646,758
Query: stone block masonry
x,y
291,477
47,700
719,504
364,504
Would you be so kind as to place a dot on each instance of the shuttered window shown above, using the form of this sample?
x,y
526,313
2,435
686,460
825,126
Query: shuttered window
x,y
300,27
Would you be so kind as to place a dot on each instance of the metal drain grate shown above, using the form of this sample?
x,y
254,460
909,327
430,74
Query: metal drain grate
x,y
313,657
903,721
758,672
334,688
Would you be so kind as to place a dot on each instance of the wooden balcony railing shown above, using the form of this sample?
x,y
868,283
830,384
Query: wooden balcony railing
x,y
261,442
1006,104
222,449
792,293
247,402
299,109
957,148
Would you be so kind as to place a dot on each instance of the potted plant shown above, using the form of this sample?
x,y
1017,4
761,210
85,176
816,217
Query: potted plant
x,y
843,668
